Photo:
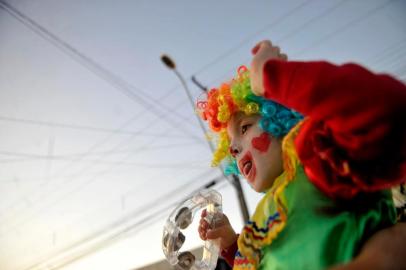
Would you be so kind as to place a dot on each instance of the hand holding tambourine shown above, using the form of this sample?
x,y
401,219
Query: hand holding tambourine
x,y
180,219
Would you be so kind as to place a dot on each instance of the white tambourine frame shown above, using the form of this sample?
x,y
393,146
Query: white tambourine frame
x,y
180,219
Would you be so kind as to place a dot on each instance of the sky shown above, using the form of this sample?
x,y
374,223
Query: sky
x,y
98,141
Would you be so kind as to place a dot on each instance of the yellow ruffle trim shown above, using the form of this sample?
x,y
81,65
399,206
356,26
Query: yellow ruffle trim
x,y
270,215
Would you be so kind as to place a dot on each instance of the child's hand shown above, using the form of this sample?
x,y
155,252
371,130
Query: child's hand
x,y
223,230
262,52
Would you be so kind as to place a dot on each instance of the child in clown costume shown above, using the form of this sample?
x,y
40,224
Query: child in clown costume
x,y
324,143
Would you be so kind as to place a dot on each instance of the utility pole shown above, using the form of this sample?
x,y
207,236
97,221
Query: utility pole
x,y
235,180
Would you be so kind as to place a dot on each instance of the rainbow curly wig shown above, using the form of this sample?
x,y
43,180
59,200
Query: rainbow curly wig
x,y
236,96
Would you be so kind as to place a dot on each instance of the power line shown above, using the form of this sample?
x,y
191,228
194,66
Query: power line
x,y
28,157
124,142
67,176
74,53
117,82
86,168
235,180
396,60
114,80
52,124
318,42
77,188
401,72
66,192
92,66
267,27
287,36
387,52
124,231
344,27
191,165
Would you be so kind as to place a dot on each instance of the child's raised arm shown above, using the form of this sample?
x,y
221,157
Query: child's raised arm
x,y
355,137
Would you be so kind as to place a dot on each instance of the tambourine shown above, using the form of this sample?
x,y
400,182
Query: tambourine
x,y
179,220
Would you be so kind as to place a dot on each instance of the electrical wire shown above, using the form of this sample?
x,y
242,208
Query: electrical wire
x,y
73,52
41,196
344,27
74,127
28,157
50,201
47,35
319,41
131,228
267,27
103,73
284,38
389,1
387,52
117,82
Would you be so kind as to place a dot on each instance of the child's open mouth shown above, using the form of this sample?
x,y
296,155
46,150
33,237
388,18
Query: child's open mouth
x,y
247,167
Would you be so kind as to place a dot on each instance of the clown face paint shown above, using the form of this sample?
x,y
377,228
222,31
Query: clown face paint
x,y
258,154
248,168
262,142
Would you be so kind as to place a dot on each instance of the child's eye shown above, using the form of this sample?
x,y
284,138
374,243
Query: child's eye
x,y
244,128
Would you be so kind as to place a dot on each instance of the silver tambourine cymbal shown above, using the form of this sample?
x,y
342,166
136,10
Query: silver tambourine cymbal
x,y
180,219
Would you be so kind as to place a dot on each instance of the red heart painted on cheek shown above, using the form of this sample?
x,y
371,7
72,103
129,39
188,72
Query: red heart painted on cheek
x,y
262,142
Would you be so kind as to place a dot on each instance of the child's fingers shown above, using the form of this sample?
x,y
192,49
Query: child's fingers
x,y
217,232
265,49
255,49
202,229
261,44
284,56
203,223
204,213
202,233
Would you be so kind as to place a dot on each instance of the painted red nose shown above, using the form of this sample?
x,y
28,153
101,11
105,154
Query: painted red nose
x,y
234,151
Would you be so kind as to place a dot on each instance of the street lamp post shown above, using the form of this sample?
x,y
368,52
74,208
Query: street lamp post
x,y
236,183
